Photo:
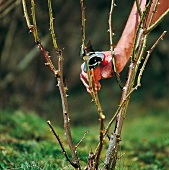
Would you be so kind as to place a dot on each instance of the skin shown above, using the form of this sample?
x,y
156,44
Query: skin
x,y
124,46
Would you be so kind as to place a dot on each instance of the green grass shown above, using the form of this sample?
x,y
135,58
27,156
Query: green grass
x,y
27,143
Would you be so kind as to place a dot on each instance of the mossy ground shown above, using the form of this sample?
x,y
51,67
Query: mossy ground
x,y
27,143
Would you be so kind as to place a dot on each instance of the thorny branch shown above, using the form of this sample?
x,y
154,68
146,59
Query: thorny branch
x,y
40,46
94,94
63,91
138,50
58,73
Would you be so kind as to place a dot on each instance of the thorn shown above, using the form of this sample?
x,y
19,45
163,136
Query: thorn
x,y
67,95
56,73
46,64
108,30
115,4
124,88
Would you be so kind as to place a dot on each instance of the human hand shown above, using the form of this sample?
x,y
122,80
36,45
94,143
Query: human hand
x,y
104,70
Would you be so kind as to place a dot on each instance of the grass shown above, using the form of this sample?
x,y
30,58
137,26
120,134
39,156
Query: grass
x,y
26,142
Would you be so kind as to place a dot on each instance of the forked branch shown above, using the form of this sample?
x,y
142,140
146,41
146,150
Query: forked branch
x,y
58,73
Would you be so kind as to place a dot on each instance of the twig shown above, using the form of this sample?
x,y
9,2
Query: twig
x,y
83,23
35,31
81,140
112,45
26,14
52,26
146,59
101,139
95,98
32,28
153,12
157,22
85,57
139,32
61,145
138,8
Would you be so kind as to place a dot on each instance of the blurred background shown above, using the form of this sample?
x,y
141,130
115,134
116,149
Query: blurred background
x,y
26,84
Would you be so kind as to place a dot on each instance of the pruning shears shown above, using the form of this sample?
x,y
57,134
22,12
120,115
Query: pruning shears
x,y
95,58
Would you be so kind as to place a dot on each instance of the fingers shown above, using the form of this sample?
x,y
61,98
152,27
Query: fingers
x,y
95,81
107,71
96,84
